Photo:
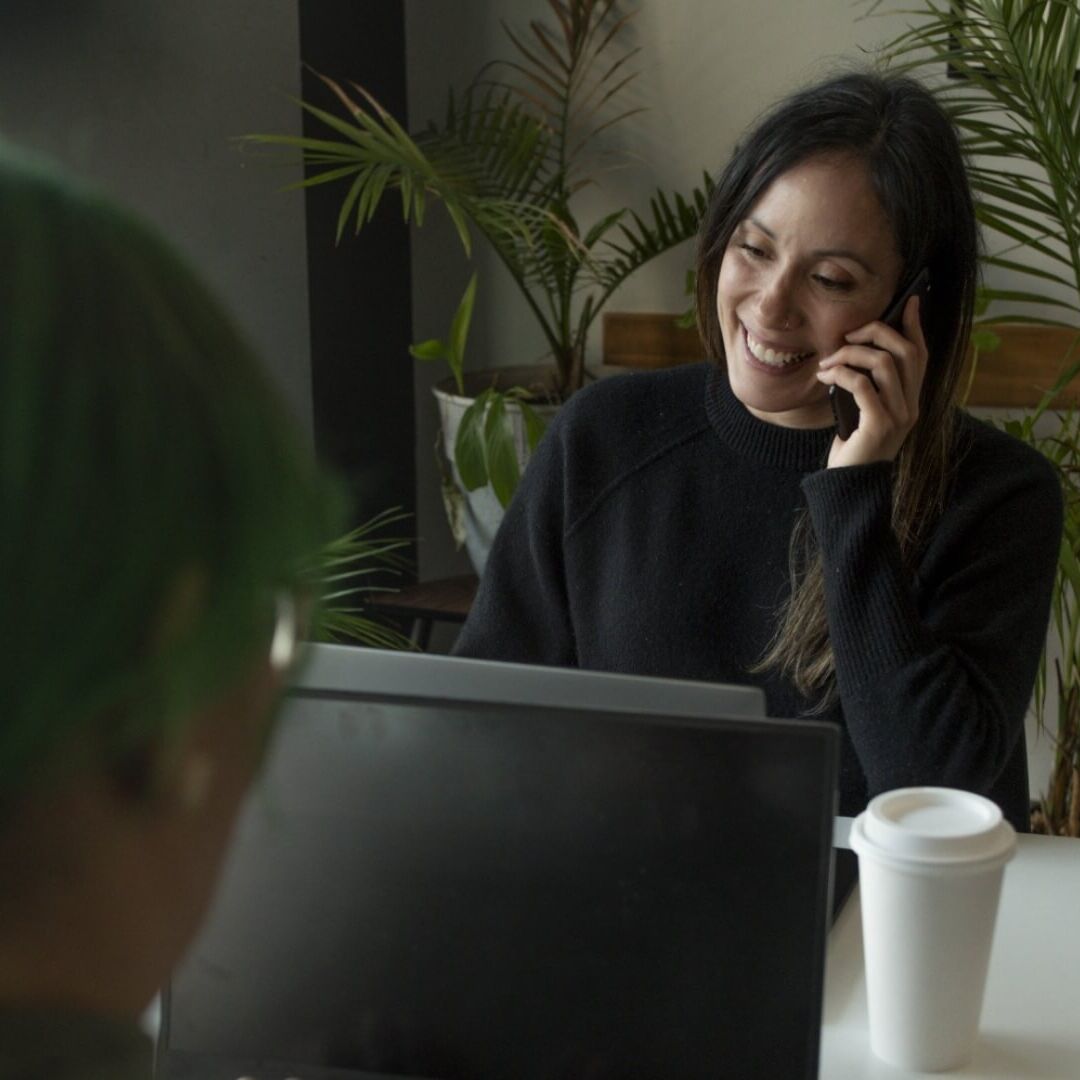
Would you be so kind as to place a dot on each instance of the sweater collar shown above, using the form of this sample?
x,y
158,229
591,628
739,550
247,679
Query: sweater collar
x,y
768,444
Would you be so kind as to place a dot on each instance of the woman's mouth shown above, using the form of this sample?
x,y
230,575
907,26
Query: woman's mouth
x,y
773,358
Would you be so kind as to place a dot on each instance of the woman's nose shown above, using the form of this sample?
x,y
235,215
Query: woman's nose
x,y
777,304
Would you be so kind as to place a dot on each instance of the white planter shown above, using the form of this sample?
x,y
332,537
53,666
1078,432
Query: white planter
x,y
475,516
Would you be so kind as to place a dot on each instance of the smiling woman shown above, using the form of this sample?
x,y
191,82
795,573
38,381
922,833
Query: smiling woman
x,y
709,522
815,261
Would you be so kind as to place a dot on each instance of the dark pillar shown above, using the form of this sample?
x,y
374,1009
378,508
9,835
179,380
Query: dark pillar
x,y
359,291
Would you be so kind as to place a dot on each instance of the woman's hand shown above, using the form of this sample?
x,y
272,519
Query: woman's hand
x,y
886,389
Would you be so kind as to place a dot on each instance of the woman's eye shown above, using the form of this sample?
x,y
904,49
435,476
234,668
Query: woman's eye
x,y
832,284
754,252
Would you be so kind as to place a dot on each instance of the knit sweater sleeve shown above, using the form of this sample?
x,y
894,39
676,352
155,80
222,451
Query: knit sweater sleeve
x,y
521,612
935,669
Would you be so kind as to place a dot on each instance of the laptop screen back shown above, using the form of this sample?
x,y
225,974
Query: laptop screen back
x,y
448,888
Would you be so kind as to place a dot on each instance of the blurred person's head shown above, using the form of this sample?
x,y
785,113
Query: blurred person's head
x,y
158,517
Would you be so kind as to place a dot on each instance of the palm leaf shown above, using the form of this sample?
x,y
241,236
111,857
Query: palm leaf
x,y
338,576
670,225
1019,106
505,163
561,74
352,625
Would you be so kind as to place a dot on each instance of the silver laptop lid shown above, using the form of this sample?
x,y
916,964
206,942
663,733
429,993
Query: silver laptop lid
x,y
341,669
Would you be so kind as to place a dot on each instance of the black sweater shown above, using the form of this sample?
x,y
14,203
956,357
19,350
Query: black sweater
x,y
651,532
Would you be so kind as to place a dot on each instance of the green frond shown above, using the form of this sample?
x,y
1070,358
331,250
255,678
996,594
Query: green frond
x,y
505,161
1025,230
352,626
641,242
1022,297
1017,106
1024,268
364,552
1028,320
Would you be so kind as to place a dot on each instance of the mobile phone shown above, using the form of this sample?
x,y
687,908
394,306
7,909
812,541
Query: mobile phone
x,y
845,411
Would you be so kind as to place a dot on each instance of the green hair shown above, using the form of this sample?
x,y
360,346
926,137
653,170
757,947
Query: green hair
x,y
141,445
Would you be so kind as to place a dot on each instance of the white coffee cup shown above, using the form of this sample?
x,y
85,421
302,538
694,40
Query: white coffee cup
x,y
930,867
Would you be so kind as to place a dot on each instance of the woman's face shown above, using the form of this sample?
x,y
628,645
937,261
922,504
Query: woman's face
x,y
813,260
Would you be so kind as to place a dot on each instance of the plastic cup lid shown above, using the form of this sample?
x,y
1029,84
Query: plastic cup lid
x,y
931,824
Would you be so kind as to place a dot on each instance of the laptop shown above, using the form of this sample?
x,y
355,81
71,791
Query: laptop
x,y
467,869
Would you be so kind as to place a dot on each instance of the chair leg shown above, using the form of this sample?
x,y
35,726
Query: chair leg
x,y
421,632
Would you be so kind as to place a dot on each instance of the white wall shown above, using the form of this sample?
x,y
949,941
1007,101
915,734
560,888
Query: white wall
x,y
143,97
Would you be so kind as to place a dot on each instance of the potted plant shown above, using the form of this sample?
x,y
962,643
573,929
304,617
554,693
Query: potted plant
x,y
507,162
486,437
1014,95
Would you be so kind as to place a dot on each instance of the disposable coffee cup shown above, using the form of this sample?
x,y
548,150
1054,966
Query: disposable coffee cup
x,y
930,867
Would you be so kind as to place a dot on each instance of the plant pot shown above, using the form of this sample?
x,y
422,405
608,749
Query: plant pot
x,y
475,516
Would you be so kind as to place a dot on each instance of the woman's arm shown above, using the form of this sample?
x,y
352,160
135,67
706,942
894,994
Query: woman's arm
x,y
521,611
935,670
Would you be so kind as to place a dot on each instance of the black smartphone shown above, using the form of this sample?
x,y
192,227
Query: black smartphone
x,y
845,411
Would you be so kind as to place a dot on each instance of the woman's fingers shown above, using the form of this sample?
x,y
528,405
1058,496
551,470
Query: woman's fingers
x,y
873,372
884,415
907,347
882,427
873,376
883,368
914,332
875,393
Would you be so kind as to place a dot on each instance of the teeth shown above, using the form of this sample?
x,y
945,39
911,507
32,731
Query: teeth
x,y
769,356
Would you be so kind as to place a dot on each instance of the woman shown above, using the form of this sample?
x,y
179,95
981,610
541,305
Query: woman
x,y
157,512
708,522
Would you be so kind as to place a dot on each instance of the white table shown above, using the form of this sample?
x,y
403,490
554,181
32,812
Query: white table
x,y
1031,1013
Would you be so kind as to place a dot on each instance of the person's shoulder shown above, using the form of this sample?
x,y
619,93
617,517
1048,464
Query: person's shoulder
x,y
644,407
620,426
983,443
994,461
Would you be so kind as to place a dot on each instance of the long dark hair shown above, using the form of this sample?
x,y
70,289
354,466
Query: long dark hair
x,y
894,126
